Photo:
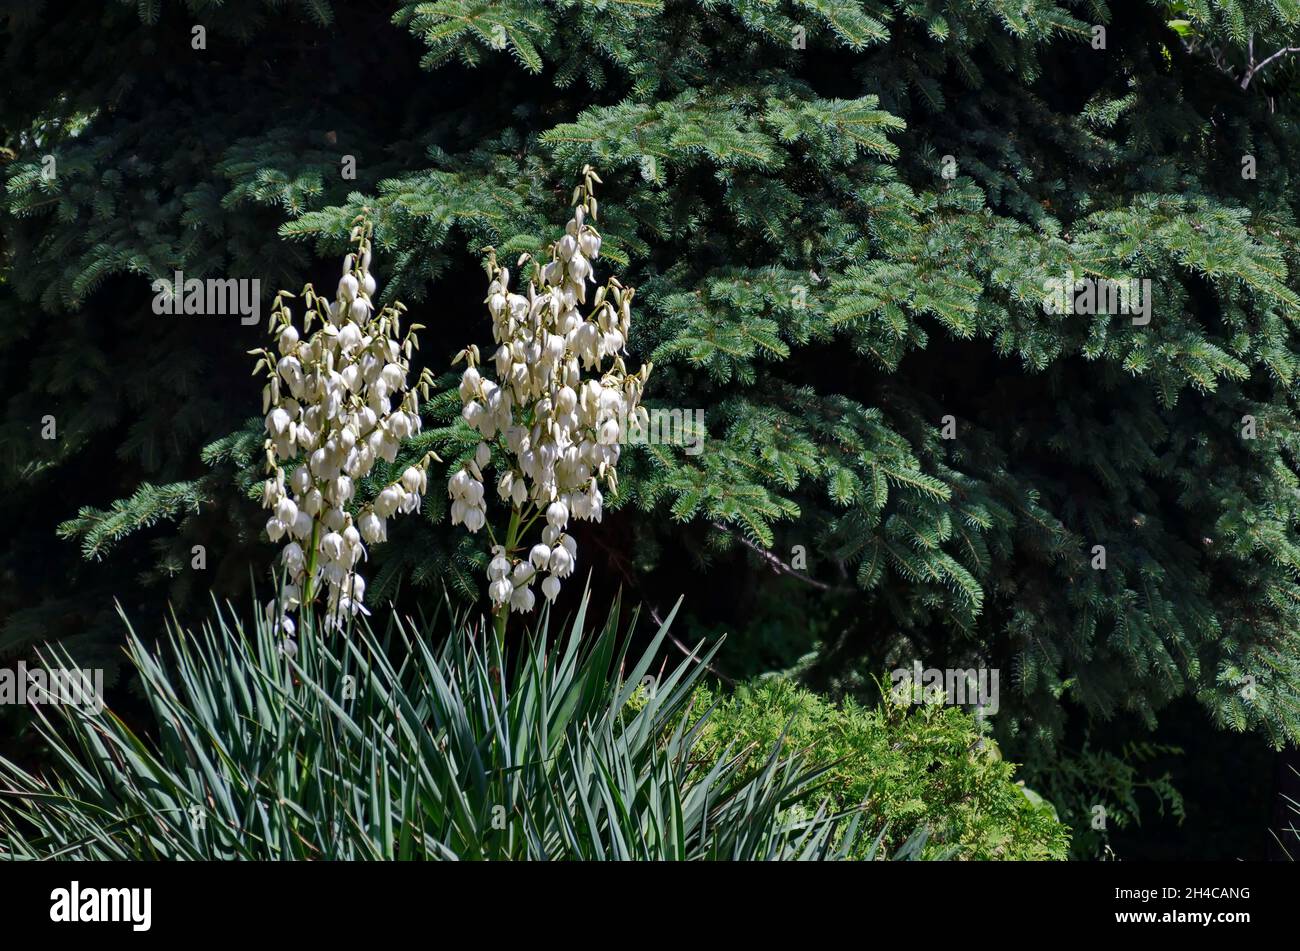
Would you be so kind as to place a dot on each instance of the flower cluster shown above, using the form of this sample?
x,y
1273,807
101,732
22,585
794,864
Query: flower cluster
x,y
336,404
555,410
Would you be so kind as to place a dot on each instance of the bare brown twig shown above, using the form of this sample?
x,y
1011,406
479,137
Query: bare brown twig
x,y
777,565
1252,67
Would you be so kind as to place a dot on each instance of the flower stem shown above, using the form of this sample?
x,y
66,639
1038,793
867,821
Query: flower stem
x,y
503,610
309,585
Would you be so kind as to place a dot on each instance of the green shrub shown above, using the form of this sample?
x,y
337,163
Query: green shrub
x,y
368,747
927,765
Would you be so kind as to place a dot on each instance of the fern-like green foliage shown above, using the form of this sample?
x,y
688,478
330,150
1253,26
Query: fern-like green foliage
x,y
928,766
1100,792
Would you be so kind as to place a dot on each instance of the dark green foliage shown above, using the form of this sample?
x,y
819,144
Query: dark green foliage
x,y
808,276
1100,793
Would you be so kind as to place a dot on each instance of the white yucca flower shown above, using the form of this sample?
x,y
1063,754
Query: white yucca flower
x,y
337,402
553,412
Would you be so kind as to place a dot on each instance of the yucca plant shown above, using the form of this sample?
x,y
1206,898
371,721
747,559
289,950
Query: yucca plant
x,y
385,746
1289,840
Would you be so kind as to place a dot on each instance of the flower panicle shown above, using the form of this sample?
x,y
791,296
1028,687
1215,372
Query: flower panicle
x,y
552,401
338,401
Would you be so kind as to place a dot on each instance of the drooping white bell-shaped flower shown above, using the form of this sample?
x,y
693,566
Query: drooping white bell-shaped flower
x,y
294,559
331,546
286,510
499,566
551,587
557,514
414,479
561,562
374,528
301,527
475,519
500,590
522,600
